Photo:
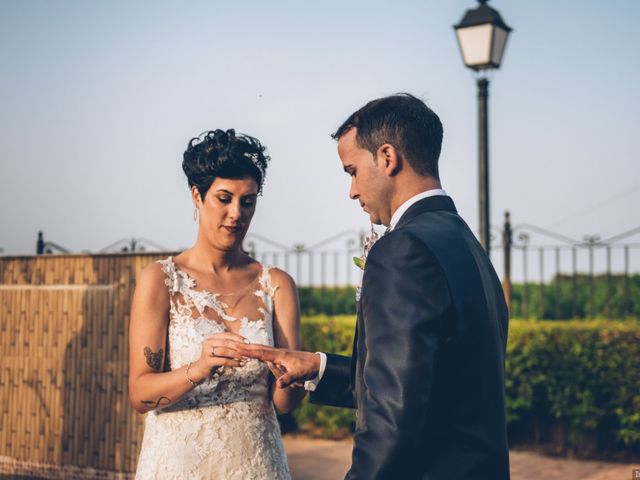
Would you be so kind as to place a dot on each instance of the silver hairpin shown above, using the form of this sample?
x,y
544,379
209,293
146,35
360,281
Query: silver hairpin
x,y
254,159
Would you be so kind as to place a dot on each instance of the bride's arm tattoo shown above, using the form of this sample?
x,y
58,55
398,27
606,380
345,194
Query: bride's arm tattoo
x,y
154,360
153,405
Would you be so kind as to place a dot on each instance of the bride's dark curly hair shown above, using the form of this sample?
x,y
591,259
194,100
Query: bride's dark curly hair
x,y
219,153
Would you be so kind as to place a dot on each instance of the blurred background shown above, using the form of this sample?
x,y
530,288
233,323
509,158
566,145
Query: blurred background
x,y
99,101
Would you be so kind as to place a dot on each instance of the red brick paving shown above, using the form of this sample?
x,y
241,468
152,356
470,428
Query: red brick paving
x,y
312,459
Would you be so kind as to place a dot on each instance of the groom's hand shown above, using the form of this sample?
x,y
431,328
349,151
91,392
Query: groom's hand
x,y
296,367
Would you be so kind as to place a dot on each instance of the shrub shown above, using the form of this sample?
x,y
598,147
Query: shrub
x,y
328,300
564,297
572,386
579,296
334,335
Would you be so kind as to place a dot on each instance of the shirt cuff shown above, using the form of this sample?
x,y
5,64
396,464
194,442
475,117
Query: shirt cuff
x,y
311,385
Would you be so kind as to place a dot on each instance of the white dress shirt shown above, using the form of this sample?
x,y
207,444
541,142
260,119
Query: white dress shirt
x,y
395,218
312,384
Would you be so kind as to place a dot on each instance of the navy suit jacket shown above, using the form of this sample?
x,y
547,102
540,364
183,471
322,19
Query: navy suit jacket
x,y
427,370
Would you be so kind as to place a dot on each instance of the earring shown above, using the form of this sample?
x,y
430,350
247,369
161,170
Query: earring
x,y
195,214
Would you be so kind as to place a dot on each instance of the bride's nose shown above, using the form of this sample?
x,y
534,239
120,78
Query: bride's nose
x,y
234,211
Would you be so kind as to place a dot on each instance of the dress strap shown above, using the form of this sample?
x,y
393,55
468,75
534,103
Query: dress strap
x,y
265,281
177,280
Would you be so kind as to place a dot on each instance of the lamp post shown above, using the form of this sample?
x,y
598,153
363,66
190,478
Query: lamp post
x,y
482,37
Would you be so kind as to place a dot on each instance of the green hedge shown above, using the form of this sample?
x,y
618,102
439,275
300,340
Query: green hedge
x,y
568,297
575,386
572,386
565,297
328,301
334,335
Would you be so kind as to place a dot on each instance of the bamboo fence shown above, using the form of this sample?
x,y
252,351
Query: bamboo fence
x,y
64,361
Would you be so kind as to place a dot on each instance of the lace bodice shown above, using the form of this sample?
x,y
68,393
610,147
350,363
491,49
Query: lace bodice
x,y
187,331
226,427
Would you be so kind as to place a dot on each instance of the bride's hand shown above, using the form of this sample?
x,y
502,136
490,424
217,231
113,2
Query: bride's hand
x,y
278,371
296,366
218,350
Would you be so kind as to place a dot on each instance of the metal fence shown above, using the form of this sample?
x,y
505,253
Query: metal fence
x,y
548,275
544,274
327,264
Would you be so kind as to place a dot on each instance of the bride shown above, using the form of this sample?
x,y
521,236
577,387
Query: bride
x,y
210,412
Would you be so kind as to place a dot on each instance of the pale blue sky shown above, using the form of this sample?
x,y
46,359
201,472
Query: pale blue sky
x,y
98,101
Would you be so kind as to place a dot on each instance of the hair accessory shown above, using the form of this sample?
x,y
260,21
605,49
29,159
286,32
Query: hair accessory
x,y
254,159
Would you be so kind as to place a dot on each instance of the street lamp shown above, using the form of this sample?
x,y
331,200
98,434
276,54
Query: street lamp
x,y
482,37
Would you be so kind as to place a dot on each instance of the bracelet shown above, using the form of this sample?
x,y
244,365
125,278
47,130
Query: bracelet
x,y
195,384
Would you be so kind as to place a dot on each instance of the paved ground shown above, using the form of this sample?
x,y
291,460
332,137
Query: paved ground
x,y
312,459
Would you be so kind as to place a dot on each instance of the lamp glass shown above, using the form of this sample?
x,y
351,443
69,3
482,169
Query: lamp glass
x,y
499,42
475,44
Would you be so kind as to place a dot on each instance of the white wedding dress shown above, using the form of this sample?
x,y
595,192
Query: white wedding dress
x,y
226,427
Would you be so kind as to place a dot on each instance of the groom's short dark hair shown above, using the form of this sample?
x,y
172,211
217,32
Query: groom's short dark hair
x,y
403,121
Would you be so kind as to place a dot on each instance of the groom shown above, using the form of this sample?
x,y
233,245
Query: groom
x,y
427,370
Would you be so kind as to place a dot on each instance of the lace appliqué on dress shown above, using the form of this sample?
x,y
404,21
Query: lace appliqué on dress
x,y
225,427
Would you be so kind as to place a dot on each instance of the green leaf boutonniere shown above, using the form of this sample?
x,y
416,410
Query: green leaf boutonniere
x,y
367,244
361,261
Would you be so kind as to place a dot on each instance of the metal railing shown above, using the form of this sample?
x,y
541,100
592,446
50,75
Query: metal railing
x,y
544,274
328,263
569,278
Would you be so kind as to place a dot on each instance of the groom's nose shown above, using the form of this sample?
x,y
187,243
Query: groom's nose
x,y
353,191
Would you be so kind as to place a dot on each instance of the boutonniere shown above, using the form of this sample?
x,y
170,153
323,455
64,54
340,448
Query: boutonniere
x,y
367,244
362,259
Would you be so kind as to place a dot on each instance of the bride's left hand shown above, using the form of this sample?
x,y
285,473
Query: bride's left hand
x,y
278,371
297,366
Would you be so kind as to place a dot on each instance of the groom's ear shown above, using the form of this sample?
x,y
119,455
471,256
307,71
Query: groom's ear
x,y
390,158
